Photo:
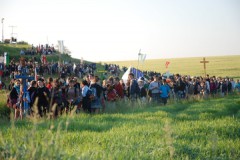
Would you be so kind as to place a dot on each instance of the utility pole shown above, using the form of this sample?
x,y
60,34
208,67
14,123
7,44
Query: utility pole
x,y
2,31
12,30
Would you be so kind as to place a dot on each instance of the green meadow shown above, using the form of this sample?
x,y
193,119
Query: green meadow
x,y
218,66
14,52
193,129
197,129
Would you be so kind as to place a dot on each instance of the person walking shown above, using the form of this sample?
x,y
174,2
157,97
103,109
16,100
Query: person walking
x,y
164,92
154,88
43,95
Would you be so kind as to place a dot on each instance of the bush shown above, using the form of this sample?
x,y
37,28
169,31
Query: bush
x,y
7,41
22,42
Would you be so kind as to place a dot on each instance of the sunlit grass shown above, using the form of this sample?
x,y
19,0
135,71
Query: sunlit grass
x,y
218,66
206,129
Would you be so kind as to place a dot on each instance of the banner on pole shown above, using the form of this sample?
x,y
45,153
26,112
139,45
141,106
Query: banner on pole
x,y
35,74
61,46
6,58
74,67
141,57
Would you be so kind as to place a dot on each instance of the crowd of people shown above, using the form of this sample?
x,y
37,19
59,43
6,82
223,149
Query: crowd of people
x,y
40,49
78,86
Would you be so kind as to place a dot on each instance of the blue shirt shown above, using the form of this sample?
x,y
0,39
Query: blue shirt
x,y
84,91
164,90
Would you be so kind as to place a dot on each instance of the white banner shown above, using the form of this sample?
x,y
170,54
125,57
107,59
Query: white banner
x,y
60,46
142,57
81,60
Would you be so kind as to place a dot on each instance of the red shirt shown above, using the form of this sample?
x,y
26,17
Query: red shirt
x,y
111,95
119,90
49,87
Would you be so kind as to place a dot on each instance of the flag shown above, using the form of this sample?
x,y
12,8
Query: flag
x,y
81,60
35,74
74,67
141,57
61,46
137,73
167,63
6,58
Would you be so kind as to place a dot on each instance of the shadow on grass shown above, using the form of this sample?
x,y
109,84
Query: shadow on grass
x,y
209,109
100,123
183,111
186,152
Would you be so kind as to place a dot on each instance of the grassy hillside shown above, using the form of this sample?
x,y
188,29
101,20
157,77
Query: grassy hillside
x,y
14,52
218,66
198,130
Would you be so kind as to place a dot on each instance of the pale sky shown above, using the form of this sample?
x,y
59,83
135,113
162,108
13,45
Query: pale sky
x,y
105,30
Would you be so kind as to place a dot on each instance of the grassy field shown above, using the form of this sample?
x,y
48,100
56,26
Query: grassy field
x,y
218,66
205,129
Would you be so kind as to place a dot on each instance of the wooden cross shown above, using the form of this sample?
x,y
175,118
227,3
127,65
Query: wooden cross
x,y
204,64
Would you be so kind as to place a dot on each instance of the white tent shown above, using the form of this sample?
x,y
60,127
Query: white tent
x,y
125,75
137,73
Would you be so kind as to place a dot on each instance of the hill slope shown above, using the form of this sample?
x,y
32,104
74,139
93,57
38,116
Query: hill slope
x,y
14,52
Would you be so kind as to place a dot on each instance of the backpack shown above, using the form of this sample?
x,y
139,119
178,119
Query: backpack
x,y
75,92
137,89
91,94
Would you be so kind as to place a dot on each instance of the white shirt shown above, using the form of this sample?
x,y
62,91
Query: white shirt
x,y
152,86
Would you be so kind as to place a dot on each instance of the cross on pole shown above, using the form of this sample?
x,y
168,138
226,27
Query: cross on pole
x,y
204,64
24,76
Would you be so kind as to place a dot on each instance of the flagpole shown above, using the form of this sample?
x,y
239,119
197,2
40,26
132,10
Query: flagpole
x,y
138,60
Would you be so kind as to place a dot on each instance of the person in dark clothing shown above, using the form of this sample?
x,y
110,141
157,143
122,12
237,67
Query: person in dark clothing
x,y
31,90
133,88
14,94
86,103
196,86
41,70
56,99
142,92
43,96
96,103
180,86
11,84
229,86
224,87
213,87
15,98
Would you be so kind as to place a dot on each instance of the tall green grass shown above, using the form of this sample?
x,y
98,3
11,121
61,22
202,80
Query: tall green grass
x,y
205,129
